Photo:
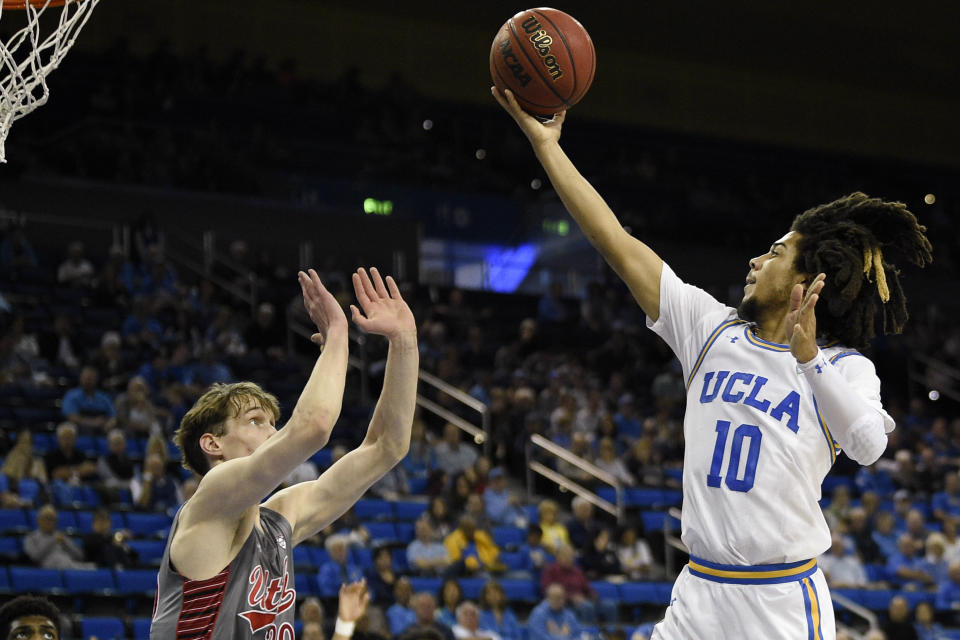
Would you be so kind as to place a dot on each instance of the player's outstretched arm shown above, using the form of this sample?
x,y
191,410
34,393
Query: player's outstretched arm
x,y
636,263
209,520
311,506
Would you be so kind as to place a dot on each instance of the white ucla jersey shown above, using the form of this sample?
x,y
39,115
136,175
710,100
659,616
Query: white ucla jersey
x,y
756,450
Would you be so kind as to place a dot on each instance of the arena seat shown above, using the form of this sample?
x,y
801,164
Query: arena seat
x,y
302,558
513,560
645,592
4,580
29,489
405,532
150,552
11,547
373,509
521,590
14,521
306,584
141,628
408,511
85,521
77,581
431,585
507,537
134,581
472,587
103,628
26,579
654,520
381,531
605,590
147,524
319,555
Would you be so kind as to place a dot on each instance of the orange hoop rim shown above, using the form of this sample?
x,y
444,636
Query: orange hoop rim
x,y
36,4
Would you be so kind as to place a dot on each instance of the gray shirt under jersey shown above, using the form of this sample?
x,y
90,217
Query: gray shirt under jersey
x,y
251,599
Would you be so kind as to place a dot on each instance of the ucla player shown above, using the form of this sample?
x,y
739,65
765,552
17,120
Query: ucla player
x,y
227,571
773,393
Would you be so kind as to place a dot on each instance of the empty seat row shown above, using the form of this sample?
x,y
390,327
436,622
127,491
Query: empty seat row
x,y
140,524
78,581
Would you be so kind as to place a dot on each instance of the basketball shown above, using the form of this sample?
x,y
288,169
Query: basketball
x,y
545,57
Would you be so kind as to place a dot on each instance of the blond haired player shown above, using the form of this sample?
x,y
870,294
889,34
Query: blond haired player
x,y
227,572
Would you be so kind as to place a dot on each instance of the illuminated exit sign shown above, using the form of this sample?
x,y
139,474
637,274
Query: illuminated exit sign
x,y
377,207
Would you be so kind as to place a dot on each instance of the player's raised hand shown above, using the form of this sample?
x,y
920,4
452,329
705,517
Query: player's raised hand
x,y
536,131
384,311
354,598
801,324
323,308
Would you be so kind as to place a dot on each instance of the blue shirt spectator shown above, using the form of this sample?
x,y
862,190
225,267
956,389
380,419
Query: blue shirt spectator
x,y
948,591
946,503
86,405
495,615
628,423
884,534
426,554
501,505
140,326
339,569
399,615
905,569
876,480
551,619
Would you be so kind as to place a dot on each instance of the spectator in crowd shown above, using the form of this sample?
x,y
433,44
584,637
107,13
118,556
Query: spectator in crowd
x,y
453,456
872,478
425,554
839,507
898,625
503,506
905,568
842,569
476,509
312,631
425,625
109,362
884,534
451,595
393,485
155,489
634,554
629,425
468,625
381,577
588,417
581,527
551,619
496,613
917,529
599,557
311,611
75,270
399,615
265,335
66,463
951,541
948,591
421,459
59,346
564,571
554,533
858,528
141,330
946,503
106,548
579,446
936,562
306,471
339,569
20,462
86,405
52,549
29,617
136,413
471,550
927,628
438,515
534,556
461,490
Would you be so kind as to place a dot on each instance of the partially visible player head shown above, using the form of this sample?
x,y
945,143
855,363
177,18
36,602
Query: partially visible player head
x,y
228,421
29,618
858,242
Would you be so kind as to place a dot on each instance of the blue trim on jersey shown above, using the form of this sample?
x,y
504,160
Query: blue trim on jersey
x,y
764,344
844,354
807,610
816,616
756,574
831,443
709,343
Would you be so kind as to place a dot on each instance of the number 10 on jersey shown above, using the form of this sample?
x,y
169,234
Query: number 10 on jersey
x,y
745,432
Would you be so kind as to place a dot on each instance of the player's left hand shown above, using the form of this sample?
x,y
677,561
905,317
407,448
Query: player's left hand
x,y
384,310
354,598
801,324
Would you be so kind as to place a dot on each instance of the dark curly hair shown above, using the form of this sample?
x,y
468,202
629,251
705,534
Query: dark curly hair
x,y
858,242
27,606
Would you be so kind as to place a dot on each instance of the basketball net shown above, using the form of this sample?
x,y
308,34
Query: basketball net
x,y
27,57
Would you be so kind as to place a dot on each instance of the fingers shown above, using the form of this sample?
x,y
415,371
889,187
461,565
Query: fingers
x,y
796,297
358,318
378,283
358,289
368,287
393,288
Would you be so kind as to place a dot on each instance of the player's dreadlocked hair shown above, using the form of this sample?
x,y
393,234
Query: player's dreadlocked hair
x,y
858,241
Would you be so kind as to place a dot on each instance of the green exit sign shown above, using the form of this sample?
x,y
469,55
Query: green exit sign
x,y
556,227
377,207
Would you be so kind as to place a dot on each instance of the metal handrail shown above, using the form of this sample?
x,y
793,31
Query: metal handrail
x,y
670,540
533,466
856,609
951,374
481,434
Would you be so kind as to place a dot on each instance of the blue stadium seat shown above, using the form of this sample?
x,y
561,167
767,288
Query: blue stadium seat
x,y
362,557
148,524
85,521
418,486
43,442
87,445
653,521
530,510
13,521
522,590
408,511
141,628
25,579
302,559
507,537
29,489
431,585
472,587
400,561
513,560
306,584
382,531
11,547
831,482
149,551
405,532
320,556
656,498
4,482
874,599
645,592
876,572
132,581
606,590
373,509
77,581
322,458
4,579
103,628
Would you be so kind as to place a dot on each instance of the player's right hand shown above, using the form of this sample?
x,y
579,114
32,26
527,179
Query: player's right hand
x,y
323,308
537,132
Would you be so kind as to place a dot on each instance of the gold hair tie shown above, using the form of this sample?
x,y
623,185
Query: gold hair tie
x,y
873,260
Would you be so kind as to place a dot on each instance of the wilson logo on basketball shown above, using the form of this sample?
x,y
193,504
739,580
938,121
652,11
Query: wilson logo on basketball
x,y
542,41
513,63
